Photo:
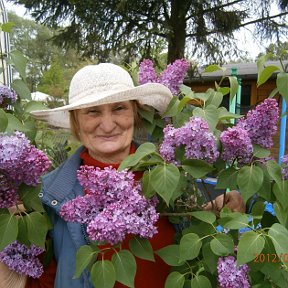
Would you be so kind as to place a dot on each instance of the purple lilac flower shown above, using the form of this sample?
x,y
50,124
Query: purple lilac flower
x,y
284,165
173,76
261,123
20,162
112,207
8,193
230,275
22,259
199,143
236,144
147,73
7,96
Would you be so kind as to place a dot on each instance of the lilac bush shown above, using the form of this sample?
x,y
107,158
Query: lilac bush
x,y
7,96
172,77
112,207
20,162
236,144
22,259
230,275
199,143
261,123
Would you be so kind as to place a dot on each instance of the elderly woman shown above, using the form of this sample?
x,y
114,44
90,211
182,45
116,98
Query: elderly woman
x,y
102,114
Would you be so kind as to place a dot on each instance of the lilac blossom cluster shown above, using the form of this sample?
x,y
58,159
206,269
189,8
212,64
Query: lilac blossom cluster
x,y
199,143
172,77
261,123
20,162
236,144
230,275
7,96
22,259
112,206
284,167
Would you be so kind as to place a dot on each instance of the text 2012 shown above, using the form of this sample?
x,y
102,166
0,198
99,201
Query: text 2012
x,y
270,257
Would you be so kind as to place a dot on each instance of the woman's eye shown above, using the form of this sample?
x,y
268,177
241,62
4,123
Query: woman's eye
x,y
118,108
93,111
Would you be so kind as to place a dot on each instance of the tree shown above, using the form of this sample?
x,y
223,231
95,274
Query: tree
x,y
49,66
278,51
128,26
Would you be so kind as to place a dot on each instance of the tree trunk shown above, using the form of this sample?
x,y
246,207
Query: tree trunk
x,y
177,36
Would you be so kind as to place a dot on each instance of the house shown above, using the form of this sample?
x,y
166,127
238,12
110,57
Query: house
x,y
251,95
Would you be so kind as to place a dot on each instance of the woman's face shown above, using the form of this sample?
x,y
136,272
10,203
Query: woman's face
x,y
107,130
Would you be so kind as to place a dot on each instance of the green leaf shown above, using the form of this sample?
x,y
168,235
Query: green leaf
x,y
250,244
235,220
183,102
7,27
200,281
233,86
147,114
249,180
37,228
281,214
142,151
22,231
21,89
186,90
9,230
279,236
34,105
223,90
274,171
222,244
3,120
215,98
227,179
170,254
84,256
260,152
175,280
190,245
280,190
14,124
205,216
103,274
141,248
210,114
125,267
30,197
266,74
210,259
172,108
282,84
164,179
213,68
147,188
196,168
224,114
19,61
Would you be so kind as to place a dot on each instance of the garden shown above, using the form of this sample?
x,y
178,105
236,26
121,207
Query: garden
x,y
194,140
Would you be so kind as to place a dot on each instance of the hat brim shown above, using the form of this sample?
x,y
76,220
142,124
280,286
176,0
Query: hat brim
x,y
152,94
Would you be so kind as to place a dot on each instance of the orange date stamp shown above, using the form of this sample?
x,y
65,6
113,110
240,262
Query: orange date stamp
x,y
270,258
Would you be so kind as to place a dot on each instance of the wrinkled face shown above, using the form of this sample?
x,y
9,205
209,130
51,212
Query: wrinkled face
x,y
107,130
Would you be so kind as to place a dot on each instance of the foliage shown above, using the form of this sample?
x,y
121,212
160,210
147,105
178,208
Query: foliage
x,y
132,28
206,239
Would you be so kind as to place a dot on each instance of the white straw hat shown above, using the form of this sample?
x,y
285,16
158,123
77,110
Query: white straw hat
x,y
104,83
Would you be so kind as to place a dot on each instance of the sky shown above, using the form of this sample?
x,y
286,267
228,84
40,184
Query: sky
x,y
245,37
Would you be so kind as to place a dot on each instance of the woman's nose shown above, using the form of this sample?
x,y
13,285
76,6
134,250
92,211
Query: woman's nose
x,y
107,123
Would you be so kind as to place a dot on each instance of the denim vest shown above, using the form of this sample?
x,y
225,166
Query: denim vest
x,y
58,187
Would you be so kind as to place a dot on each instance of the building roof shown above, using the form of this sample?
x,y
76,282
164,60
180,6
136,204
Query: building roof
x,y
243,71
